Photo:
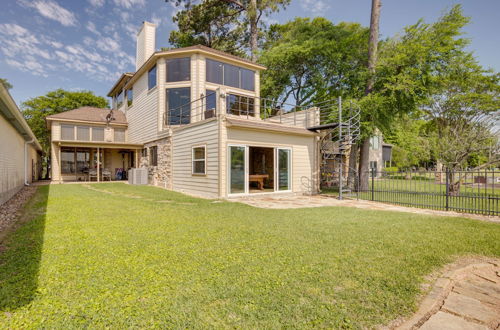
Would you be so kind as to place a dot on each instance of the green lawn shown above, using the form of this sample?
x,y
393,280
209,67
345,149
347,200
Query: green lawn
x,y
146,257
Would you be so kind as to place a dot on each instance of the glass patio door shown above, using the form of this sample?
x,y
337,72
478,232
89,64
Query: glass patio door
x,y
283,169
238,169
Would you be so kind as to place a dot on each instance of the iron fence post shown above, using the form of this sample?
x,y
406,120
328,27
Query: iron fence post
x,y
373,183
447,189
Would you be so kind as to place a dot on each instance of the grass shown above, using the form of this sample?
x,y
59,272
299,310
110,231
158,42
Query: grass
x,y
125,256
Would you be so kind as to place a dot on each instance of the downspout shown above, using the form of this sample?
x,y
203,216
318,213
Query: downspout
x,y
26,161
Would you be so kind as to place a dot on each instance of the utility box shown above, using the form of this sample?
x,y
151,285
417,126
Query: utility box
x,y
138,176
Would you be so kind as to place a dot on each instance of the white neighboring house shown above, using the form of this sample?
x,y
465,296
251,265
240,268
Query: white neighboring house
x,y
20,152
191,116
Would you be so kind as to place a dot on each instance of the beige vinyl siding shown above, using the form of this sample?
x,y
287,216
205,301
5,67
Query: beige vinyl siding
x,y
143,116
182,142
12,160
55,129
303,154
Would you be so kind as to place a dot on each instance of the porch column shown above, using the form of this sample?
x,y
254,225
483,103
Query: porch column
x,y
136,156
98,165
59,161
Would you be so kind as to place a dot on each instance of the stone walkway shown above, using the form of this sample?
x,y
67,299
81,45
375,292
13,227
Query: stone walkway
x,y
289,201
464,298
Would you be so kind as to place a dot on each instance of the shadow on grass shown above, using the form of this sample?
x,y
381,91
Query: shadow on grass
x,y
21,252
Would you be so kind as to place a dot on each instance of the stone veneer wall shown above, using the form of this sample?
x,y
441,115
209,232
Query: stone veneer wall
x,y
160,175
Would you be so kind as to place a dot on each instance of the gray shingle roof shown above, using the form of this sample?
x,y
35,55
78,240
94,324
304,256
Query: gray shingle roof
x,y
90,114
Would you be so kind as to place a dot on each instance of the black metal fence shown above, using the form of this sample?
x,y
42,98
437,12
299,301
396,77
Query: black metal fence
x,y
461,191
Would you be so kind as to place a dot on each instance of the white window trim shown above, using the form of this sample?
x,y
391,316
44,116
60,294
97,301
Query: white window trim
x,y
204,146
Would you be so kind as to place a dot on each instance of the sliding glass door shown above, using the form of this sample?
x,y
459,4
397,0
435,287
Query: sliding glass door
x,y
283,169
238,164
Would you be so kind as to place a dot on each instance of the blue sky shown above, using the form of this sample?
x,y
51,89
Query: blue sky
x,y
87,44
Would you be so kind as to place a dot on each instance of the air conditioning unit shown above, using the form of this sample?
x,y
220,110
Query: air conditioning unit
x,y
138,175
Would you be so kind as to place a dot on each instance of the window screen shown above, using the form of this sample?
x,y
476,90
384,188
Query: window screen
x,y
83,133
179,69
97,133
119,135
67,132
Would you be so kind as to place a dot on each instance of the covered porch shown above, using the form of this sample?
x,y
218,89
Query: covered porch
x,y
87,162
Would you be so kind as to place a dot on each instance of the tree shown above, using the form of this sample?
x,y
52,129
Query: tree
x,y
372,59
210,23
238,19
464,110
36,109
412,142
5,83
313,60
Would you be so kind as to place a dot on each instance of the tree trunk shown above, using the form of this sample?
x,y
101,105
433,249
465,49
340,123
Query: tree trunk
x,y
352,175
364,161
364,158
254,33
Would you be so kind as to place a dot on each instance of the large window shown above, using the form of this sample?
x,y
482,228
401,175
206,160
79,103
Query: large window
x,y
67,160
152,77
210,103
199,160
119,135
97,133
240,105
130,97
82,160
178,106
67,132
153,156
229,75
83,133
214,72
119,100
178,69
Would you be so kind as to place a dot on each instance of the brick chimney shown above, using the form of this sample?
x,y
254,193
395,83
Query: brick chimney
x,y
145,43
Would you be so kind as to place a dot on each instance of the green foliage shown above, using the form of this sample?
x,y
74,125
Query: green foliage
x,y
36,109
124,256
221,24
5,83
411,144
313,60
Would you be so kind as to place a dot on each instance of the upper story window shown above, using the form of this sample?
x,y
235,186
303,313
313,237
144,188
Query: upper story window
x,y
83,133
229,75
67,132
178,106
240,105
119,100
210,103
97,133
152,77
375,143
130,97
119,135
179,69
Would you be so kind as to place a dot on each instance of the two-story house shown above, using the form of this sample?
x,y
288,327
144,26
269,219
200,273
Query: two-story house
x,y
192,117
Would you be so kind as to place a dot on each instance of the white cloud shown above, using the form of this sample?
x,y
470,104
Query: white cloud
x,y
52,10
156,20
92,28
97,3
317,7
108,45
130,3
